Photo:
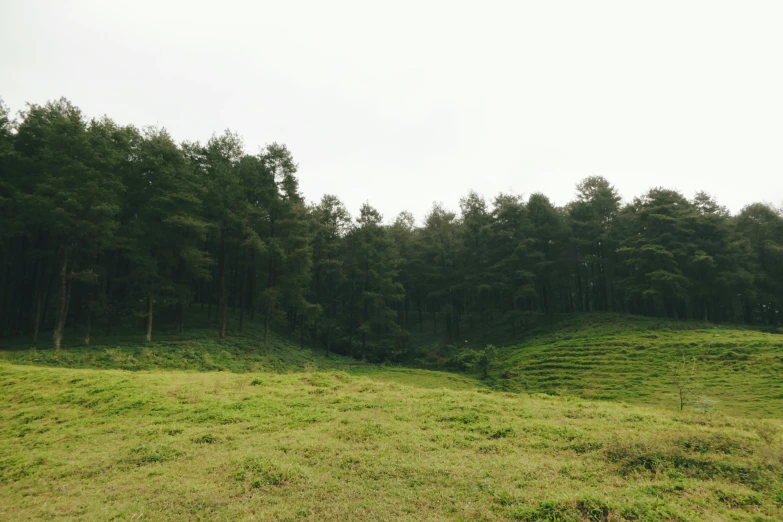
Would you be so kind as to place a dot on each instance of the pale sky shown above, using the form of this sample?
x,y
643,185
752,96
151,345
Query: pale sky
x,y
408,102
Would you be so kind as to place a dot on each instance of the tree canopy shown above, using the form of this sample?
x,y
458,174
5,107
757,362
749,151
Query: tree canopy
x,y
102,223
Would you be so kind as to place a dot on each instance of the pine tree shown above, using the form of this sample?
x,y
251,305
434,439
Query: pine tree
x,y
474,284
63,193
13,226
226,206
548,232
762,225
440,266
331,222
658,232
374,290
404,237
287,257
512,258
592,216
165,226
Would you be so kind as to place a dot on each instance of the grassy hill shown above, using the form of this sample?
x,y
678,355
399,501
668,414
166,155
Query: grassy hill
x,y
629,358
198,349
273,432
383,444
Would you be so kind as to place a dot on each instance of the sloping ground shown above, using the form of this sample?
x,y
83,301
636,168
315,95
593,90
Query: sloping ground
x,y
375,445
200,350
629,358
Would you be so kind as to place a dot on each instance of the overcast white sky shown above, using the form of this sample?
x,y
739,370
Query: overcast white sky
x,y
405,103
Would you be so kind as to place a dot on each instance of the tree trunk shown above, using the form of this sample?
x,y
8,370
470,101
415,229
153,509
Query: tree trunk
x,y
224,321
89,327
181,295
62,302
241,316
37,319
107,294
181,318
222,298
242,300
418,306
350,320
268,313
366,310
328,338
48,293
149,319
252,286
238,295
266,322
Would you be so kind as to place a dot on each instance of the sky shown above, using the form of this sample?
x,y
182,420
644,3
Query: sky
x,y
401,104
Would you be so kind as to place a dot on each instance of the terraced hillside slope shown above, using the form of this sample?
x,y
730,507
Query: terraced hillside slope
x,y
736,371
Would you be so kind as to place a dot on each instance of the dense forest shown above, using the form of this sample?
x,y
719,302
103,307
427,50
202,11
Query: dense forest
x,y
104,225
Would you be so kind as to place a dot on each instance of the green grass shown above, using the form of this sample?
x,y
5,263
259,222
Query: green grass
x,y
369,445
628,358
198,349
235,354
195,428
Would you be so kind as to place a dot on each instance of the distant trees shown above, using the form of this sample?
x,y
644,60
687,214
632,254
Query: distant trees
x,y
67,195
373,289
163,226
762,227
330,223
102,224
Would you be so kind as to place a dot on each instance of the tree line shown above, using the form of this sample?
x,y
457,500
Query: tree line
x,y
108,224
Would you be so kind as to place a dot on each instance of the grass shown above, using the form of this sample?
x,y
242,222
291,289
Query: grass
x,y
272,432
197,349
235,354
363,445
630,359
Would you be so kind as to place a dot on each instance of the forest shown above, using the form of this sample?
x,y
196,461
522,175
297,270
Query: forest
x,y
103,225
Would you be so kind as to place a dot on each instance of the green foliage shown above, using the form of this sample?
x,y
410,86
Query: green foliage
x,y
104,225
487,360
483,361
201,350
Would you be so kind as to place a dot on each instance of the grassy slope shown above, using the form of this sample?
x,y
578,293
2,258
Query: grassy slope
x,y
299,436
629,358
371,445
199,348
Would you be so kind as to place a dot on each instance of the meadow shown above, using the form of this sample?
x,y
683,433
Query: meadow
x,y
616,357
579,429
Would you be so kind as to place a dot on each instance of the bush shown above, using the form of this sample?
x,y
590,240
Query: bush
x,y
487,359
463,360
481,360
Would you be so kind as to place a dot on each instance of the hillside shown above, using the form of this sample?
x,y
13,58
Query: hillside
x,y
385,444
197,349
196,428
630,359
